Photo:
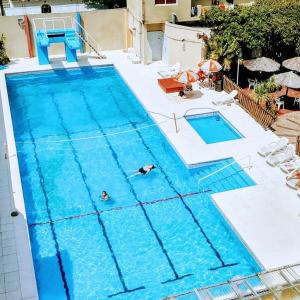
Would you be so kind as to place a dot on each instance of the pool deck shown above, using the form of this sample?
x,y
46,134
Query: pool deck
x,y
266,216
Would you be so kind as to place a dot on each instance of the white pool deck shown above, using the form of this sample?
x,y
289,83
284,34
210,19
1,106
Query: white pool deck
x,y
266,217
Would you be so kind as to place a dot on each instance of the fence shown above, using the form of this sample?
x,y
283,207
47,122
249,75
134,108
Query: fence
x,y
262,116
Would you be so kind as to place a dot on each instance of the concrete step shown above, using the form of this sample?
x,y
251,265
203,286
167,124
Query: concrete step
x,y
6,3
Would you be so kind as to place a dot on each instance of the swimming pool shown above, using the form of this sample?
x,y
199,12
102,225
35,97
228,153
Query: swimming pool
x,y
213,128
158,235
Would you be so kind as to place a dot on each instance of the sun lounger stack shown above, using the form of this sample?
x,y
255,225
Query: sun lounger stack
x,y
225,99
286,154
282,154
273,147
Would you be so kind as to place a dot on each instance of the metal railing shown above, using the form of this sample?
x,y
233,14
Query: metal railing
x,y
51,23
235,161
88,39
272,282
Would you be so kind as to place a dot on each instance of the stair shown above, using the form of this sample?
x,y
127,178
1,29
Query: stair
x,y
87,39
99,55
6,3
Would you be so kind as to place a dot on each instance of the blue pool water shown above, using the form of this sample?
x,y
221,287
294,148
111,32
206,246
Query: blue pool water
x,y
213,128
159,234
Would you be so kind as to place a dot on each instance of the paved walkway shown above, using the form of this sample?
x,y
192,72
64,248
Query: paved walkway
x,y
288,125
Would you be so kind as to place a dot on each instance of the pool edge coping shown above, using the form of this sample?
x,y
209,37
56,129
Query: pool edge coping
x,y
28,283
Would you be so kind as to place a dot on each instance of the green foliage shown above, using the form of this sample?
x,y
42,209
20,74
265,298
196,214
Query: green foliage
x,y
270,27
263,89
3,56
104,4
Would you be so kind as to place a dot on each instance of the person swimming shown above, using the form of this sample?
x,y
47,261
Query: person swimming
x,y
143,170
104,196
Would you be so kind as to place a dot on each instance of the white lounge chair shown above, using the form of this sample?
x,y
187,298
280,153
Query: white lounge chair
x,y
285,155
292,183
226,99
273,147
171,71
291,166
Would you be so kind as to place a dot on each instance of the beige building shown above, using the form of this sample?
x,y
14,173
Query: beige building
x,y
153,37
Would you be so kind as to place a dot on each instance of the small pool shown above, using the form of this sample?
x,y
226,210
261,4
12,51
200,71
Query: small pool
x,y
214,128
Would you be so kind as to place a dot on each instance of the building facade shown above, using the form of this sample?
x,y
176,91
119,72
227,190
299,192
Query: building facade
x,y
151,30
29,7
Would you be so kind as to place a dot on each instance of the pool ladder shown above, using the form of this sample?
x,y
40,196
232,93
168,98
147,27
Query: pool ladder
x,y
248,166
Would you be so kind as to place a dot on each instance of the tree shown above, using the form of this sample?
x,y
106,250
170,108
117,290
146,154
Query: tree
x,y
3,56
270,27
104,4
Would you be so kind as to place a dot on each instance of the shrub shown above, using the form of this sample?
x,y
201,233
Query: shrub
x,y
3,56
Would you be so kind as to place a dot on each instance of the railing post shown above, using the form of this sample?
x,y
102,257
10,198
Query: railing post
x,y
175,121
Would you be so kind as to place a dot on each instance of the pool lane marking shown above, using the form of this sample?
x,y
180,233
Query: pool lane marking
x,y
43,187
115,156
101,223
216,252
117,208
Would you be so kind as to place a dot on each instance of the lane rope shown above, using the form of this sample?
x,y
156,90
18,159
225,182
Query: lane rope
x,y
118,208
91,137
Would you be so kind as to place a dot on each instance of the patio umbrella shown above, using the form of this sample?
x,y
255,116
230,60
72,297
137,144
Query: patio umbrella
x,y
187,77
210,66
288,79
292,64
262,64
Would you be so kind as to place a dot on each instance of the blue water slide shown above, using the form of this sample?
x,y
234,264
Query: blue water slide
x,y
42,38
72,40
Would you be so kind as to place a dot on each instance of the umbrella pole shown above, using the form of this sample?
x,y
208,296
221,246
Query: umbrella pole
x,y
287,89
298,145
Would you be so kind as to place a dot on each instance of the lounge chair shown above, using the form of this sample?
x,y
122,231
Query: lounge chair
x,y
273,147
291,166
172,71
292,183
284,155
226,99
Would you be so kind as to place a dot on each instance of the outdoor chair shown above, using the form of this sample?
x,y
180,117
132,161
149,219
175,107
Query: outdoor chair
x,y
297,101
285,155
291,166
279,102
273,147
226,99
252,83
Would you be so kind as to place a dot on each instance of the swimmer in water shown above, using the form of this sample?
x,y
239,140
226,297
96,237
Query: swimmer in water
x,y
104,196
143,170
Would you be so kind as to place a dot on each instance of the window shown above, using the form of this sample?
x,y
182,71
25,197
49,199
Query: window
x,y
165,2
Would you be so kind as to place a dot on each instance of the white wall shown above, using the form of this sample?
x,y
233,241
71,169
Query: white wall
x,y
183,45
